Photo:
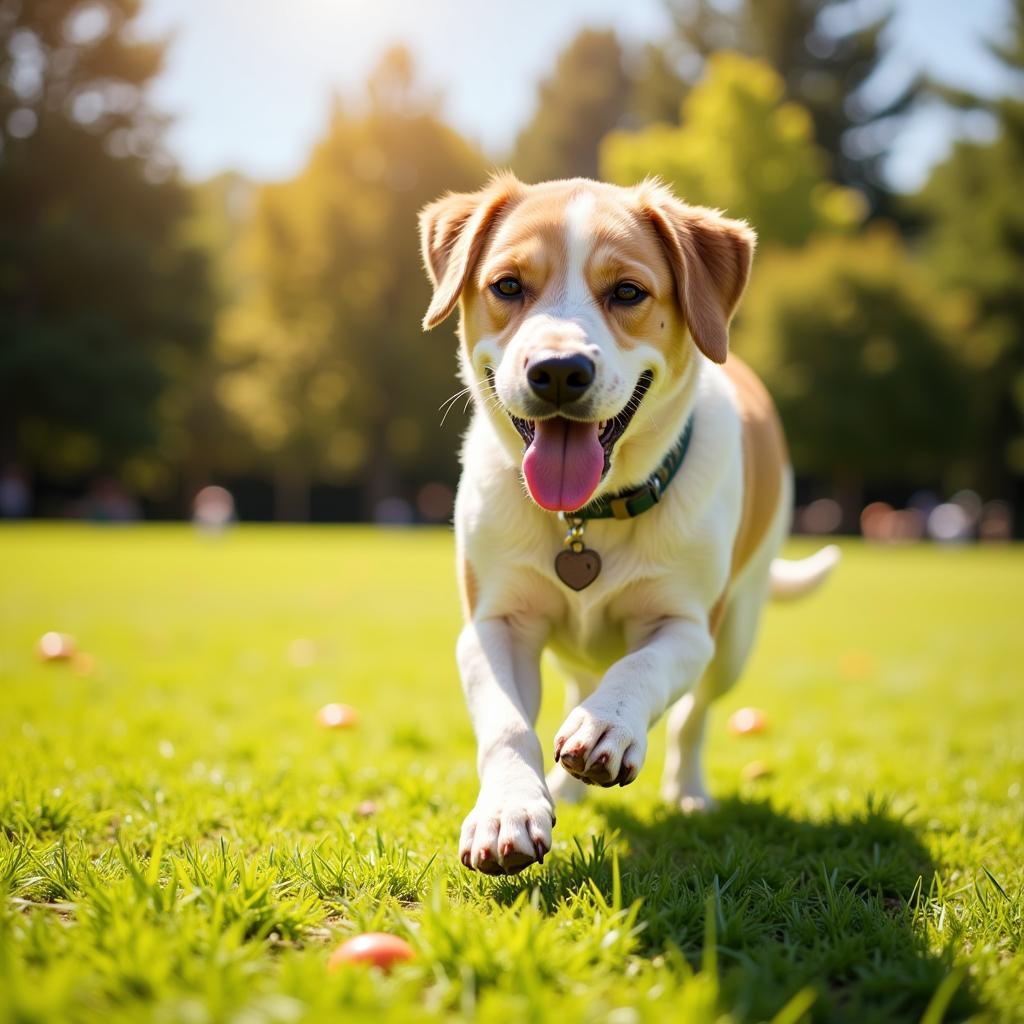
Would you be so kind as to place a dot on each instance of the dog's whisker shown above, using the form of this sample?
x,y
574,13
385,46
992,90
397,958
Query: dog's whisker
x,y
449,402
452,398
445,414
488,393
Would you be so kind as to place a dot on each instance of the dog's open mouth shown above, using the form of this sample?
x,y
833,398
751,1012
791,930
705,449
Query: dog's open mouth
x,y
566,459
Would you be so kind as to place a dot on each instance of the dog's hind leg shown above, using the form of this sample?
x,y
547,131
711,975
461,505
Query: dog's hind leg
x,y
683,780
565,789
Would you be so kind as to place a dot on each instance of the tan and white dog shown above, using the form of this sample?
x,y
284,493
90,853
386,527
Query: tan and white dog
x,y
594,332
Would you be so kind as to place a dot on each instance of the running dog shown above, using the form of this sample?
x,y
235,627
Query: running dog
x,y
625,486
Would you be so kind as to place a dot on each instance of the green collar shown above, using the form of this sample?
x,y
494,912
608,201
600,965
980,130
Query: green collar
x,y
629,504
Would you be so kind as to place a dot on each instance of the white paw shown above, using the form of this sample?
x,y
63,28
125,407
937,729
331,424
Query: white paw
x,y
600,750
564,788
696,804
690,799
504,834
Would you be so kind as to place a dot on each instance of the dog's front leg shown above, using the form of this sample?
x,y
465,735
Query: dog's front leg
x,y
604,740
510,826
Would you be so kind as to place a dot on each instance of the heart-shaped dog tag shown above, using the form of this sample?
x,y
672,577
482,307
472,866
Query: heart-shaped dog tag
x,y
578,569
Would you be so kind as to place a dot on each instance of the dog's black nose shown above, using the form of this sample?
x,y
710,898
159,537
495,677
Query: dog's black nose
x,y
560,379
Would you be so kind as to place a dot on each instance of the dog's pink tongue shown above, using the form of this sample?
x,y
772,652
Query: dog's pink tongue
x,y
563,465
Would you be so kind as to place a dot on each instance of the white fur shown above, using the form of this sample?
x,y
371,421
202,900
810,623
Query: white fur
x,y
578,217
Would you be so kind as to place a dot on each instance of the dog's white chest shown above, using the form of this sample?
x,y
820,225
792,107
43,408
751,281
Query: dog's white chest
x,y
588,636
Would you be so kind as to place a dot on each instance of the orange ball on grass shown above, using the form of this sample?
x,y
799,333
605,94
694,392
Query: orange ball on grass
x,y
337,716
373,949
747,721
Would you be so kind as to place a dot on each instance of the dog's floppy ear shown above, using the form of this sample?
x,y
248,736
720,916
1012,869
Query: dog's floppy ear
x,y
452,232
710,257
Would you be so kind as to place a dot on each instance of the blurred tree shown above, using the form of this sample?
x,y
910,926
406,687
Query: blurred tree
x,y
332,376
656,90
859,352
97,293
974,244
825,51
741,147
585,97
200,437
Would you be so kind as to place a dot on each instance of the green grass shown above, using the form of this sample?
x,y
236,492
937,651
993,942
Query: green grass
x,y
180,842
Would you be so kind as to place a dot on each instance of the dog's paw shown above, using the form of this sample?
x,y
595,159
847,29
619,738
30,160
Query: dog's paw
x,y
600,750
696,804
691,799
503,835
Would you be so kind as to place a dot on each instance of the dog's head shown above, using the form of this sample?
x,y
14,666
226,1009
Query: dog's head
x,y
582,304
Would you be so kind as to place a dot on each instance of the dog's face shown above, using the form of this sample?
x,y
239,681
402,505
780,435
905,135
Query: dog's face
x,y
579,301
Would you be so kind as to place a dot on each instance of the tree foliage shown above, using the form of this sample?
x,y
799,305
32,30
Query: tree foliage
x,y
92,272
824,51
861,355
112,271
656,87
585,97
974,244
332,376
743,147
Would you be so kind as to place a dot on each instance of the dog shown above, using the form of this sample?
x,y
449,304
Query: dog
x,y
625,487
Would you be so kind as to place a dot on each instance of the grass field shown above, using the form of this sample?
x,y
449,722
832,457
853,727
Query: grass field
x,y
180,842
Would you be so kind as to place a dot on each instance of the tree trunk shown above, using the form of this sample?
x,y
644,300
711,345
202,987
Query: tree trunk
x,y
848,489
379,481
291,494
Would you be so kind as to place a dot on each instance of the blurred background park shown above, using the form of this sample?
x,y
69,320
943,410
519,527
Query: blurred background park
x,y
209,271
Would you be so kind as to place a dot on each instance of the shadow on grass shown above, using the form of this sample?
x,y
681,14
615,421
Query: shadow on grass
x,y
828,904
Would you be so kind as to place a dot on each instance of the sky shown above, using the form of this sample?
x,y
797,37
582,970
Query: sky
x,y
249,82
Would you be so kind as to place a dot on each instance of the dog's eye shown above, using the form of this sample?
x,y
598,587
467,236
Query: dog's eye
x,y
626,294
507,288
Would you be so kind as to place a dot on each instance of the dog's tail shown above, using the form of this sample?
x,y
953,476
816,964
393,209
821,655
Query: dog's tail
x,y
791,579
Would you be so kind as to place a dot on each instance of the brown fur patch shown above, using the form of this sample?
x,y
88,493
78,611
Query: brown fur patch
x,y
469,588
453,233
710,257
526,241
715,615
627,248
764,462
